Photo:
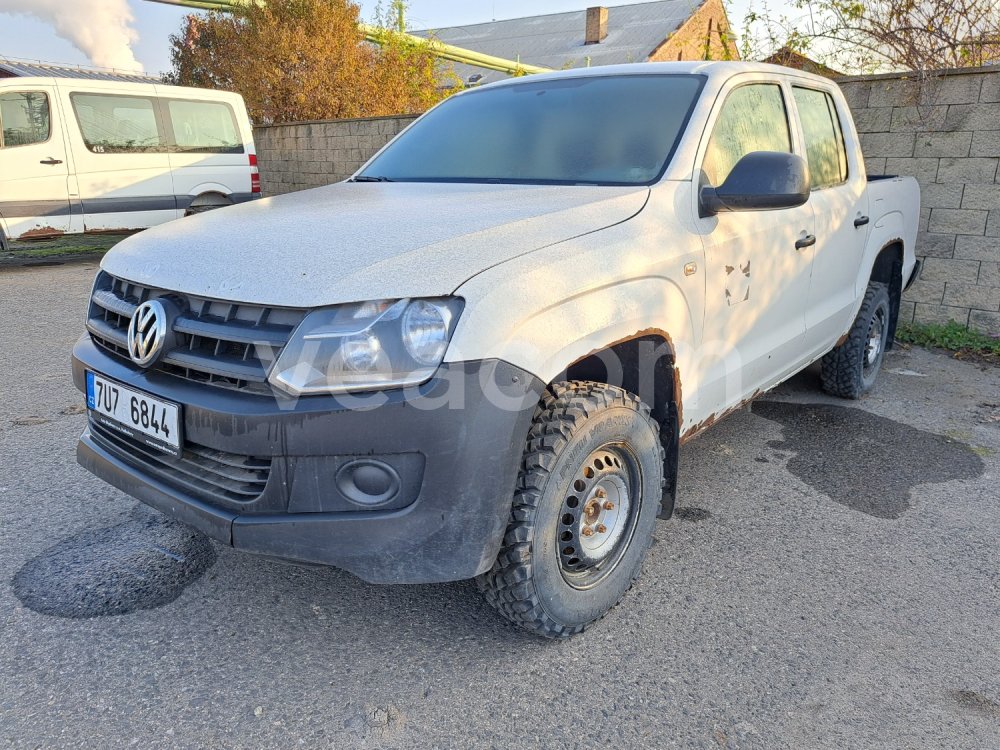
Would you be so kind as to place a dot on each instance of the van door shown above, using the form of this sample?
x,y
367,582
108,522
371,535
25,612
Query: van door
x,y
840,202
34,176
757,263
120,151
208,157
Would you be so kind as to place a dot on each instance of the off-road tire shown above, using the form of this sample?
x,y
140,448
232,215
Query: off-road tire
x,y
526,583
842,370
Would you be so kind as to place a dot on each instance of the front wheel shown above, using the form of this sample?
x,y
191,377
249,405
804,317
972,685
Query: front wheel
x,y
584,510
851,369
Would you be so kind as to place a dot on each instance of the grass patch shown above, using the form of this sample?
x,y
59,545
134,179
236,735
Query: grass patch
x,y
67,246
46,252
952,336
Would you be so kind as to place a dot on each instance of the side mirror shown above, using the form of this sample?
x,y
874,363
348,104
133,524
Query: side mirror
x,y
761,181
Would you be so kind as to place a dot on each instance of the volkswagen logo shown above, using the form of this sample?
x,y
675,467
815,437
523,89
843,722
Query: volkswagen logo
x,y
147,332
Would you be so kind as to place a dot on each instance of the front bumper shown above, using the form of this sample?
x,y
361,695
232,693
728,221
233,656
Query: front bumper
x,y
454,445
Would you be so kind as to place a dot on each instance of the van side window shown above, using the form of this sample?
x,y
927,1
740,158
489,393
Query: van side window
x,y
24,118
825,149
753,118
113,124
206,127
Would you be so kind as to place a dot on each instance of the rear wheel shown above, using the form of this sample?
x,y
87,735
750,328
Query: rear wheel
x,y
584,511
207,202
851,369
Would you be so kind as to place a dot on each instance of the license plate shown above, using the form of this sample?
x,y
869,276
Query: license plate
x,y
140,416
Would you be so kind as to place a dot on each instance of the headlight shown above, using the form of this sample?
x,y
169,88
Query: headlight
x,y
367,345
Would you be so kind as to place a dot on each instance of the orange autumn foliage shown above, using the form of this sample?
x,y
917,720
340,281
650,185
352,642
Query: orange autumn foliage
x,y
296,60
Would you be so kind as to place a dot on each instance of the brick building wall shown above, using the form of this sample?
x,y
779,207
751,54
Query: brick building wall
x,y
706,35
946,133
297,156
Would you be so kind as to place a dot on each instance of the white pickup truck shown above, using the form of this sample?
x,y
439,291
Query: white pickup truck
x,y
480,355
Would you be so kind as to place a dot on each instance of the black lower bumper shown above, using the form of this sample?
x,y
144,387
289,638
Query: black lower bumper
x,y
451,448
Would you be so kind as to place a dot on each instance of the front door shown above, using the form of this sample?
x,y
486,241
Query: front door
x,y
34,176
758,263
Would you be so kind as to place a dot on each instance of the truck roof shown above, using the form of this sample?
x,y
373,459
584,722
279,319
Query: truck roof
x,y
710,69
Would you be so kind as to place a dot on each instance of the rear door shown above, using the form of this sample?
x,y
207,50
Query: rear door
x,y
840,203
120,151
757,262
208,157
34,177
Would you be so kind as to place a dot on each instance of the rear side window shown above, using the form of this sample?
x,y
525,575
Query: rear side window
x,y
204,127
113,124
824,140
24,118
753,118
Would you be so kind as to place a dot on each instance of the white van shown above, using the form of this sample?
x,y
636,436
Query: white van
x,y
107,155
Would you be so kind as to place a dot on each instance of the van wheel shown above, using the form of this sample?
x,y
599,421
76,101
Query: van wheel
x,y
584,510
851,369
207,202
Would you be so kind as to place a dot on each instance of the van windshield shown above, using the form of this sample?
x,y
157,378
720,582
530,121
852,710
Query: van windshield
x,y
605,130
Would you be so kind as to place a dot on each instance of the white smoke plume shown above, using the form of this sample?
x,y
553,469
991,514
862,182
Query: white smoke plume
x,y
101,29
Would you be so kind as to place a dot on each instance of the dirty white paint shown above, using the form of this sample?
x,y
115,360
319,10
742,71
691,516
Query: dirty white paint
x,y
360,241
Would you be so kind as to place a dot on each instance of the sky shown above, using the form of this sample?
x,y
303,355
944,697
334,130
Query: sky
x,y
105,27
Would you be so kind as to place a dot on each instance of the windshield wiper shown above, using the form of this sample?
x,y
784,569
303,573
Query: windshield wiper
x,y
369,178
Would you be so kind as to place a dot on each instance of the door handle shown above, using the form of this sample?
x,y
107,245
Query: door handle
x,y
808,241
861,221
51,162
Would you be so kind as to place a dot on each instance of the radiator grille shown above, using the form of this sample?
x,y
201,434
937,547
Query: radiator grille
x,y
220,343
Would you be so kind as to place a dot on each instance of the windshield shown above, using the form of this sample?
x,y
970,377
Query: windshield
x,y
606,130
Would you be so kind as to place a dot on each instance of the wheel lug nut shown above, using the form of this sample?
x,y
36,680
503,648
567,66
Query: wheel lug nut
x,y
601,492
601,528
587,531
608,505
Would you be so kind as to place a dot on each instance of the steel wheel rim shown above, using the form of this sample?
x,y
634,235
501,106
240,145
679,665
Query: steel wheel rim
x,y
874,342
598,515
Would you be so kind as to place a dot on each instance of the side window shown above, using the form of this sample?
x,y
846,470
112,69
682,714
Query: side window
x,y
824,140
206,127
753,118
113,124
24,118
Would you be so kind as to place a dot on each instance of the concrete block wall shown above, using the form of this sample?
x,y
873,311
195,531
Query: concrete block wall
x,y
945,131
297,156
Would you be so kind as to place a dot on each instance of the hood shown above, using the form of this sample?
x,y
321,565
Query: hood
x,y
358,241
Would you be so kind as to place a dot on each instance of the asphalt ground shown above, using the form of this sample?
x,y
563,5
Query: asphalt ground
x,y
830,580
